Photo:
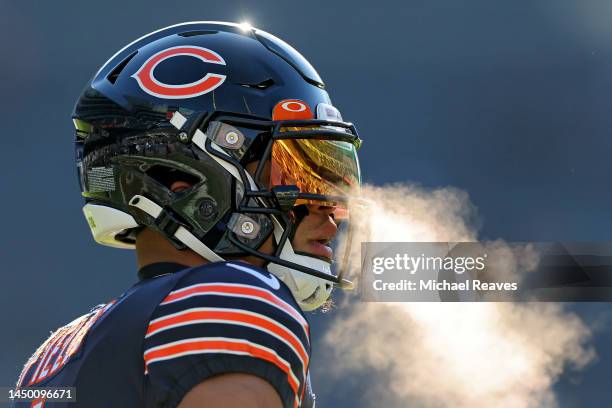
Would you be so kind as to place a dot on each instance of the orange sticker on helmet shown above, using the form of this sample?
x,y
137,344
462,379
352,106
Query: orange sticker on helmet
x,y
292,109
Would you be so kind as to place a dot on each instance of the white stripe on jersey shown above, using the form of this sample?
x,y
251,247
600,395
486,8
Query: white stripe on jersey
x,y
296,315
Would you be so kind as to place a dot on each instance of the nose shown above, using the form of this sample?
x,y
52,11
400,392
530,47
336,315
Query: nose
x,y
326,214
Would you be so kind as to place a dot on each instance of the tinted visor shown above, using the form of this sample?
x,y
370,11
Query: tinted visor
x,y
328,168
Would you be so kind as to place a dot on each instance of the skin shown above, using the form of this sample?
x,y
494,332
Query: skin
x,y
238,389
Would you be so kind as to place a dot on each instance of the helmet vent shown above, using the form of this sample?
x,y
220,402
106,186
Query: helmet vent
x,y
199,32
261,85
291,56
112,77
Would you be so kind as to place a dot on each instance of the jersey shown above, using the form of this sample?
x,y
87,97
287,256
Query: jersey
x,y
170,332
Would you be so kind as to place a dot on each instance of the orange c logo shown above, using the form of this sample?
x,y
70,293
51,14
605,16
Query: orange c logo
x,y
151,85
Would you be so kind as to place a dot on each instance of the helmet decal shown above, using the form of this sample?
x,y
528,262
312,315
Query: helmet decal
x,y
291,109
151,85
326,111
293,106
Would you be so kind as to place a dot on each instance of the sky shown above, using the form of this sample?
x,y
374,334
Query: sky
x,y
507,101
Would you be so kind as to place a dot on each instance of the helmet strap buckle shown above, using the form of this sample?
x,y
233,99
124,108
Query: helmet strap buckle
x,y
168,224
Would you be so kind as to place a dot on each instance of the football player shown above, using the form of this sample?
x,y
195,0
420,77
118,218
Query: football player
x,y
213,150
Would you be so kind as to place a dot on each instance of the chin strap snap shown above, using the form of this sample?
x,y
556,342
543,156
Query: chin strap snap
x,y
173,228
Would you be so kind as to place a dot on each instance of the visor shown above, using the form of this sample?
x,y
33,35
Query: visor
x,y
328,168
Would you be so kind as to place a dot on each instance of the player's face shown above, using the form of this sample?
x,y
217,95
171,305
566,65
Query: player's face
x,y
314,232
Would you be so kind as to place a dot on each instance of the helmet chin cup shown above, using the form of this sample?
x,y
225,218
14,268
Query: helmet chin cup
x,y
309,291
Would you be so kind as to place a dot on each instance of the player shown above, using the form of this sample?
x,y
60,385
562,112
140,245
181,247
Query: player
x,y
213,150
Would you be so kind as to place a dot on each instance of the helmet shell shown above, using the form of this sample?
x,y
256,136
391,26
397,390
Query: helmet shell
x,y
125,139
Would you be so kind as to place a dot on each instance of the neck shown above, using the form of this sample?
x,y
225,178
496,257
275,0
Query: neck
x,y
152,247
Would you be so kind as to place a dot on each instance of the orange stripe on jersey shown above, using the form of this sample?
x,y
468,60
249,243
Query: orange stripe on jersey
x,y
229,316
240,290
195,346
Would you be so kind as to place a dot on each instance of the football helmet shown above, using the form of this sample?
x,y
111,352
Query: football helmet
x,y
197,102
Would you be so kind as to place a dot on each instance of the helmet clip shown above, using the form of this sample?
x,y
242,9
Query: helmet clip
x,y
168,223
286,196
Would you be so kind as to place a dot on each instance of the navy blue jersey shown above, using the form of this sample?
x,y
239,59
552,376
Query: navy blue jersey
x,y
166,334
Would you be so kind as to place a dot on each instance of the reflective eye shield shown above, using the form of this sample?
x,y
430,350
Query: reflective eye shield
x,y
324,169
317,156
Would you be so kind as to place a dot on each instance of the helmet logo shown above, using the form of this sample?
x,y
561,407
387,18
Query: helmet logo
x,y
151,85
294,106
291,109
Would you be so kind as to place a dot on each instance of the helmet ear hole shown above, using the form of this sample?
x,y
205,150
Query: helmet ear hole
x,y
167,176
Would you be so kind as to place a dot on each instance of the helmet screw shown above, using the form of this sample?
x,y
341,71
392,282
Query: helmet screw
x,y
247,227
231,138
183,137
208,208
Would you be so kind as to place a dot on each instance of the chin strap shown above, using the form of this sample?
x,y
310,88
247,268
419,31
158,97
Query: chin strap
x,y
180,233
